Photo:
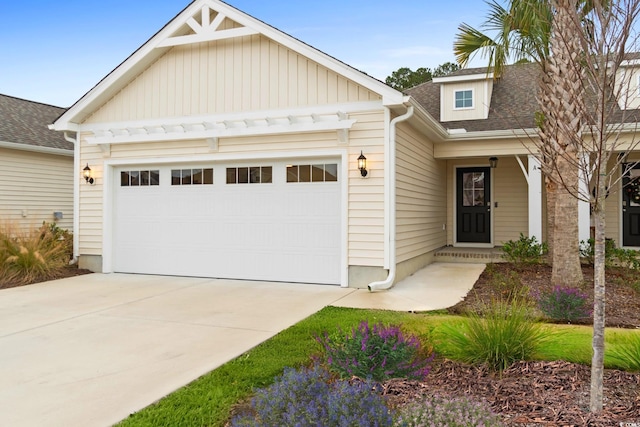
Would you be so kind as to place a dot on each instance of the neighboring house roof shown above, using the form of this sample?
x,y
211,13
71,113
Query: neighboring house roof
x,y
513,101
26,123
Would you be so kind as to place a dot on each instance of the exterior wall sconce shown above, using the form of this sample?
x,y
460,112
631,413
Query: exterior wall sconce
x,y
493,162
362,165
86,172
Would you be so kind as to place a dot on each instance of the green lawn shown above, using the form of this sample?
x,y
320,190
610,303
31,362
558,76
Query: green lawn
x,y
208,400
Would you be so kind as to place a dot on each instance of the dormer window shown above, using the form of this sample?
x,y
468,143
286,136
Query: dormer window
x,y
463,99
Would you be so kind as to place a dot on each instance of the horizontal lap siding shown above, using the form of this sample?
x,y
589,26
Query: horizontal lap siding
x,y
366,196
421,196
38,184
244,74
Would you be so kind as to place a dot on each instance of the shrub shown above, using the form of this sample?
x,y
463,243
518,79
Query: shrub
x,y
613,256
587,251
309,397
525,250
566,304
377,353
436,411
26,257
628,258
505,334
627,354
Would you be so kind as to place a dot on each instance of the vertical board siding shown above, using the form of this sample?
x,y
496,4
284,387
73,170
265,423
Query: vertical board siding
x,y
37,185
421,196
449,113
243,74
365,199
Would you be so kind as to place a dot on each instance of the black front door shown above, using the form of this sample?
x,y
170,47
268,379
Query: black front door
x,y
631,208
473,213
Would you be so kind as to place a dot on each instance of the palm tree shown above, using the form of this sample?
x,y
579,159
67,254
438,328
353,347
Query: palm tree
x,y
523,32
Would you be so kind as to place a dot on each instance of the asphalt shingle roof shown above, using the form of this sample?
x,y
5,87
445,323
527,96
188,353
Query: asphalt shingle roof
x,y
513,102
25,122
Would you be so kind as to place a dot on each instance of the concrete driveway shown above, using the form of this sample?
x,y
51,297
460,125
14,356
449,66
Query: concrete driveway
x,y
90,350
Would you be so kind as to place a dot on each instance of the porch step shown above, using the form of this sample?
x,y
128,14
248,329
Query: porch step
x,y
469,255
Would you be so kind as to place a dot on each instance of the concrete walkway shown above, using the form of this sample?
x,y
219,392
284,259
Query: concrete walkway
x,y
435,287
90,350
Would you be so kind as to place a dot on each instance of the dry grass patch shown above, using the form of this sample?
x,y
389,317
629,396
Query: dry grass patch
x,y
35,255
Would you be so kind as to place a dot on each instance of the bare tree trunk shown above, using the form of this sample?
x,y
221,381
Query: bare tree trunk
x,y
597,362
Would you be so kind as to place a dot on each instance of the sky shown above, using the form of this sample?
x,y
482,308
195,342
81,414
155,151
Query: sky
x,y
55,51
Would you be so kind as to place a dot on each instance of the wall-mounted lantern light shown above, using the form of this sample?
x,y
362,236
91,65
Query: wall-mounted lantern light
x,y
362,164
86,172
493,162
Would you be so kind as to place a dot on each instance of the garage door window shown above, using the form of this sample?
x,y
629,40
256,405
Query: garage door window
x,y
312,173
192,176
139,178
250,175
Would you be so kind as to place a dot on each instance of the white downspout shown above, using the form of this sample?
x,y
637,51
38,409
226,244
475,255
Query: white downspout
x,y
390,185
76,196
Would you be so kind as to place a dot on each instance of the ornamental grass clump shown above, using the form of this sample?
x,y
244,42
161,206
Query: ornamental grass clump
x,y
627,353
564,304
504,334
26,257
438,411
378,353
311,397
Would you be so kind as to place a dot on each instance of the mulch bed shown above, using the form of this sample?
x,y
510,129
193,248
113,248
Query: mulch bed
x,y
69,271
622,290
538,393
530,393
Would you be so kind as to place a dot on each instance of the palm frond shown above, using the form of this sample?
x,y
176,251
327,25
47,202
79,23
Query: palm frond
x,y
469,42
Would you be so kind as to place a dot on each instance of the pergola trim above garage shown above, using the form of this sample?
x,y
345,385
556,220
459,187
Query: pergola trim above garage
x,y
188,128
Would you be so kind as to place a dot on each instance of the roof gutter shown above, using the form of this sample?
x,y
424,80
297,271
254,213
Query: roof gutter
x,y
390,188
36,149
76,195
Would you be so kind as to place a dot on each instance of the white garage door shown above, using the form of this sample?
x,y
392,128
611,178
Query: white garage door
x,y
266,220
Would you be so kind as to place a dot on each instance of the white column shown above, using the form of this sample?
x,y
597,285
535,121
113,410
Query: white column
x,y
534,178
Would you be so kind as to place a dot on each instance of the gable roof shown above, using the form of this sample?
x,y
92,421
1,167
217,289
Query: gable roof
x,y
513,101
25,123
195,24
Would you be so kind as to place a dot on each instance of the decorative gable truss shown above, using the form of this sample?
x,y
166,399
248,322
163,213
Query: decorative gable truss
x,y
212,128
208,25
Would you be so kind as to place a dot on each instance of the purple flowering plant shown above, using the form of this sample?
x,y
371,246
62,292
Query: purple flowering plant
x,y
564,304
375,352
313,398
